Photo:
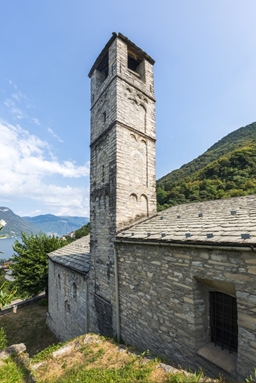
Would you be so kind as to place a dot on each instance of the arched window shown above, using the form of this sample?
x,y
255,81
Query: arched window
x,y
67,307
133,198
74,291
103,174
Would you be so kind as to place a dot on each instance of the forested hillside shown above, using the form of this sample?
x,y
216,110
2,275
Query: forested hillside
x,y
227,169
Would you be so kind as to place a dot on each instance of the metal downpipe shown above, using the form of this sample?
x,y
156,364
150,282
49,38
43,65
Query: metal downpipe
x,y
117,298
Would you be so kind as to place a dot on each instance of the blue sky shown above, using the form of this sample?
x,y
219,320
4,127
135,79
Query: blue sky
x,y
205,87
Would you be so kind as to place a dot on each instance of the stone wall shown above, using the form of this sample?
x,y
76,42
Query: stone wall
x,y
67,316
164,302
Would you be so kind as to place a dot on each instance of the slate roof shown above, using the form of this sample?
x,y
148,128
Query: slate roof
x,y
221,222
75,256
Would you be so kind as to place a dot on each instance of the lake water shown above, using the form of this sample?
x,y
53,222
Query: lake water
x,y
6,247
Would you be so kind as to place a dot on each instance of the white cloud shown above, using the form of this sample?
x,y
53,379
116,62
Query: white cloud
x,y
54,135
35,121
13,84
9,103
19,96
18,105
29,171
15,111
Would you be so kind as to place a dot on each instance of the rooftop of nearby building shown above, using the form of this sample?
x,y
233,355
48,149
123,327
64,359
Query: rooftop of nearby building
x,y
220,222
75,255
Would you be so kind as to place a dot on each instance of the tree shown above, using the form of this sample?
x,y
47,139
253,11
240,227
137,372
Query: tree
x,y
161,195
30,262
84,230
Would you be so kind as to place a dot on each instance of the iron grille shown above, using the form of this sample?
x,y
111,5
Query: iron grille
x,y
223,320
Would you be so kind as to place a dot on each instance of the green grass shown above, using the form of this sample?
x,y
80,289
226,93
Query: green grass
x,y
92,356
46,353
181,378
12,372
3,339
126,374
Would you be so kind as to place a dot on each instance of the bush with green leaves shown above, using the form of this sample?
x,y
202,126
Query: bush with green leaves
x,y
30,262
6,296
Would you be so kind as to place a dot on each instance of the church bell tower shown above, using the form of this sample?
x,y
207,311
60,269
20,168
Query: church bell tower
x,y
122,176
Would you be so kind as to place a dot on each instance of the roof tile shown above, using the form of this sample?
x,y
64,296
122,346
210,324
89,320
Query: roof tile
x,y
75,255
216,219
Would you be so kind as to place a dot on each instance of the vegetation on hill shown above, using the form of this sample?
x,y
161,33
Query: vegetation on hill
x,y
84,230
227,169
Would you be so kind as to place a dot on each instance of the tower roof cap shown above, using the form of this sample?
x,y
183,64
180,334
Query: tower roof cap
x,y
134,47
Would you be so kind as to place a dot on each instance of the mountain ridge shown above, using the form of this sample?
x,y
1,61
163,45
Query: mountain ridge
x,y
59,225
47,223
227,143
227,169
14,223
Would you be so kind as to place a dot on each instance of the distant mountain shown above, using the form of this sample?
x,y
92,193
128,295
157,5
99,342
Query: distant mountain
x,y
227,169
15,224
58,225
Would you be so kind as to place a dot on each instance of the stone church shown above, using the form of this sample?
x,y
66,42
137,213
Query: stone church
x,y
182,282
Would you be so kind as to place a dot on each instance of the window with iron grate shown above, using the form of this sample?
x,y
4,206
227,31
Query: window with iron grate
x,y
223,320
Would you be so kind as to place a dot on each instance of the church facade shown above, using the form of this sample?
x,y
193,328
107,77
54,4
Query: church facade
x,y
181,283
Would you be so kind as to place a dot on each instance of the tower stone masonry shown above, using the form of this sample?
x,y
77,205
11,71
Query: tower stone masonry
x,y
122,183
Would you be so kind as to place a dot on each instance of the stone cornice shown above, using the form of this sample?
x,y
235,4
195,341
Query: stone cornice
x,y
116,122
127,82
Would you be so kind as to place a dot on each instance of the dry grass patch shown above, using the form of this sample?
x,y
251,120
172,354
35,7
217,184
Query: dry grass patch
x,y
91,359
157,375
88,352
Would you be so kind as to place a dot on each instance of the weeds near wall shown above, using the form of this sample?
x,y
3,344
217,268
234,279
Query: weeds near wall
x,y
251,378
181,378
